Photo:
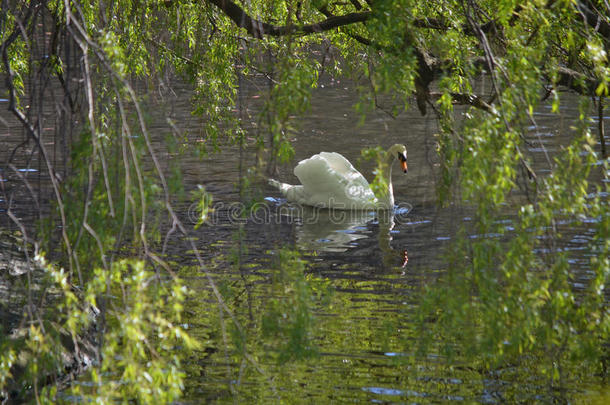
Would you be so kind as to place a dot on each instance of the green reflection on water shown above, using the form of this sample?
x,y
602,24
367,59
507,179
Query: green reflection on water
x,y
308,339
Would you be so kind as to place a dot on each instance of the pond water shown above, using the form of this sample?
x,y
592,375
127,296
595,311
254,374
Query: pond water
x,y
368,268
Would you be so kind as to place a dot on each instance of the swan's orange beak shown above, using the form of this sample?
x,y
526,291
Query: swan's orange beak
x,y
403,165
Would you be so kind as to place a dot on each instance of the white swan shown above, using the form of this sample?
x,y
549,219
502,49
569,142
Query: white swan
x,y
328,180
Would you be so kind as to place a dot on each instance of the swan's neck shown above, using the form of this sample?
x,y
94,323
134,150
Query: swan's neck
x,y
387,200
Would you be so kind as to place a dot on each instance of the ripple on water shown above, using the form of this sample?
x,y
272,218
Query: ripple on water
x,y
383,391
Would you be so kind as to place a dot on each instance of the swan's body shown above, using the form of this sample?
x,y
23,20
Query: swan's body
x,y
328,180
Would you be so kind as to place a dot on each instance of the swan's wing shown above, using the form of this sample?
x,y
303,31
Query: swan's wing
x,y
330,175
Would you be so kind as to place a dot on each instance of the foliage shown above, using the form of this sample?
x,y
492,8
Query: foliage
x,y
203,203
288,319
482,67
378,155
138,360
116,308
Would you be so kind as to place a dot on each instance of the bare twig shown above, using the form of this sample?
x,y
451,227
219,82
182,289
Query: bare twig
x,y
80,32
31,130
602,140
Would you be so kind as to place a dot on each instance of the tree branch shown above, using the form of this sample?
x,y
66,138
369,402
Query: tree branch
x,y
20,23
576,81
467,99
258,29
356,4
441,25
593,19
602,140
427,68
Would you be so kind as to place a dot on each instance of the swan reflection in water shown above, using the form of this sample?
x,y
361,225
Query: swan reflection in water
x,y
339,230
332,230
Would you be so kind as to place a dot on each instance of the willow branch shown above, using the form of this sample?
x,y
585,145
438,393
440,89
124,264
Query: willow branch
x,y
602,140
466,99
576,81
593,19
258,28
441,25
79,31
30,129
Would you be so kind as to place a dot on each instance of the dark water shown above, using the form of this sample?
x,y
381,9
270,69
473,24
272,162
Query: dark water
x,y
368,268
374,265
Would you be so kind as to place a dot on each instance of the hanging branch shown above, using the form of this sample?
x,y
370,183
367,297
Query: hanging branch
x,y
79,32
602,140
593,18
30,129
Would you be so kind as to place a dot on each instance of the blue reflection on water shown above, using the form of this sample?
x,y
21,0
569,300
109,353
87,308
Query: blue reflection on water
x,y
383,391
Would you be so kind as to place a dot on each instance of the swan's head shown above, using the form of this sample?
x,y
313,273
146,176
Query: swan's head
x,y
399,152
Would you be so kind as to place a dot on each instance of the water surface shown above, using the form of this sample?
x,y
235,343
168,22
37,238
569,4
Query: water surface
x,y
367,268
373,264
